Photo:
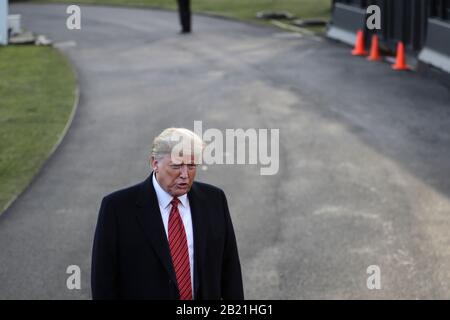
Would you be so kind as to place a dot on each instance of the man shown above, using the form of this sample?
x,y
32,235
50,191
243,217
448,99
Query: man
x,y
184,9
167,237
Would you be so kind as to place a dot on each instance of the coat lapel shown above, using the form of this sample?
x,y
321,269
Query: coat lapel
x,y
149,216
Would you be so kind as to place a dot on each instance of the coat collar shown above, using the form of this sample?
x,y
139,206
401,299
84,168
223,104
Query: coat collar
x,y
164,198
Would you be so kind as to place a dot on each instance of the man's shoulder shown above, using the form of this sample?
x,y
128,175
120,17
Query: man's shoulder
x,y
207,189
126,193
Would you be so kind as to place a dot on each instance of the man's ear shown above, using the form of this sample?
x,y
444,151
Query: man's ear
x,y
154,163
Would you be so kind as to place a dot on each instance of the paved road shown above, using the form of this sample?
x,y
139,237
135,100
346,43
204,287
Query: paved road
x,y
364,156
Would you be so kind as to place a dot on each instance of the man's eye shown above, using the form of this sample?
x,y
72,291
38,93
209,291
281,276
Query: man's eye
x,y
175,166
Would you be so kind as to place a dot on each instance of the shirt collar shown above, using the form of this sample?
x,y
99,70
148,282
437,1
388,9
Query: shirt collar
x,y
164,198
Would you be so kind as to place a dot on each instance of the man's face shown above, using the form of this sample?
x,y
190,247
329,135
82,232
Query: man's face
x,y
176,177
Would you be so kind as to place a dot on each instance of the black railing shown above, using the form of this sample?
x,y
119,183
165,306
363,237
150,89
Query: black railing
x,y
405,20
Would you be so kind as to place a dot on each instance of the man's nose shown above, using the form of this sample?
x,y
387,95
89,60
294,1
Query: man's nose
x,y
184,171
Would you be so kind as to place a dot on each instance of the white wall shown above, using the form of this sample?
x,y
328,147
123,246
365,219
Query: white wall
x,y
3,22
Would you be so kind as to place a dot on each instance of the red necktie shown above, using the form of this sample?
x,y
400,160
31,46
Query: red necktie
x,y
179,251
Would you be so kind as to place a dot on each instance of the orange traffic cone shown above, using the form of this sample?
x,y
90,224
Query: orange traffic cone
x,y
359,49
374,50
400,63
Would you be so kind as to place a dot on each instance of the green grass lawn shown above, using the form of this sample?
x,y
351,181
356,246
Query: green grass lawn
x,y
37,91
239,9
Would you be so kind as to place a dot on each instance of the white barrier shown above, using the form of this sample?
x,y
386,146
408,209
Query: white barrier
x,y
3,22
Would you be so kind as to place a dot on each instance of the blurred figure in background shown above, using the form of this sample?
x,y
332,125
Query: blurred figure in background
x,y
184,8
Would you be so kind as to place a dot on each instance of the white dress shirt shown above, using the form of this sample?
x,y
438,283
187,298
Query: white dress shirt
x,y
164,200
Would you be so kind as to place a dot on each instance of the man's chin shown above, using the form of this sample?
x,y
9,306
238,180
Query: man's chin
x,y
181,191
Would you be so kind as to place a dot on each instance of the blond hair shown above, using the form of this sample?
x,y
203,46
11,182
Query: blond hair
x,y
177,142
